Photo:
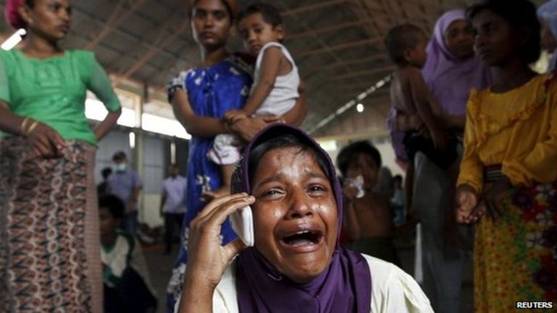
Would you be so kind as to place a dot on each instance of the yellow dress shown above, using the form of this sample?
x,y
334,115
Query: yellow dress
x,y
515,256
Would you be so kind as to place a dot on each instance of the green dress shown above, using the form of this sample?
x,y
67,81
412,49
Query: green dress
x,y
53,90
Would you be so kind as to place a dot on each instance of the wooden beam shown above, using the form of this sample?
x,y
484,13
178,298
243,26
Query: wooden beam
x,y
337,65
160,42
338,47
114,20
364,73
312,7
323,30
325,47
123,33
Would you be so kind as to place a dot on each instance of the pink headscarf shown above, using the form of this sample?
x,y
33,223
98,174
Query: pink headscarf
x,y
12,15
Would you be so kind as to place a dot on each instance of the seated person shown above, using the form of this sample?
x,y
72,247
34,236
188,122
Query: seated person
x,y
125,290
296,264
368,215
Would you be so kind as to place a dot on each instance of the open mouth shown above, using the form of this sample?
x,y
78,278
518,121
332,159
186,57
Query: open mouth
x,y
303,238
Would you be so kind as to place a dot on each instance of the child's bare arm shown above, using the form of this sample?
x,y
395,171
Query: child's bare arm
x,y
298,113
270,66
423,102
420,96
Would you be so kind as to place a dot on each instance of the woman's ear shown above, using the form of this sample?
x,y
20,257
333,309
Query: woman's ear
x,y
407,55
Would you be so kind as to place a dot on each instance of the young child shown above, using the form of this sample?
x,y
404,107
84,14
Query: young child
x,y
425,126
125,289
368,217
276,81
410,96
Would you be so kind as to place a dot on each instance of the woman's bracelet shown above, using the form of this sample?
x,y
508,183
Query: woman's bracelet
x,y
32,127
27,126
23,125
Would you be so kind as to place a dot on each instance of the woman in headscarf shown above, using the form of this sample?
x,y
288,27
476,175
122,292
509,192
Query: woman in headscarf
x,y
509,163
547,13
452,70
296,264
49,230
200,98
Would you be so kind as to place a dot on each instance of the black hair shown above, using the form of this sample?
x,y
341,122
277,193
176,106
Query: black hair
x,y
114,205
520,14
119,156
30,3
105,172
350,152
226,5
270,14
401,38
286,141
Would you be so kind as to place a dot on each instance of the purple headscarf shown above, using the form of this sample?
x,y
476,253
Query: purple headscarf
x,y
345,286
450,79
548,12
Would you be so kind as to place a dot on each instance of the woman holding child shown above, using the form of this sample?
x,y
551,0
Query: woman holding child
x,y
201,97
451,71
508,177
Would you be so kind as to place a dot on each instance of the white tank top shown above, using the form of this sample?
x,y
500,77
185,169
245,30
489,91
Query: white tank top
x,y
285,91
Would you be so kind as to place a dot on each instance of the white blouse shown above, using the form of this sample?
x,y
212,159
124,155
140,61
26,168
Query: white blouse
x,y
392,291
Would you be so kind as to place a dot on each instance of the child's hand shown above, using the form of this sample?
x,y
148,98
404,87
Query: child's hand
x,y
467,209
233,116
349,192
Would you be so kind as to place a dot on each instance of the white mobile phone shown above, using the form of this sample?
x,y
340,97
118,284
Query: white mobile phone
x,y
242,224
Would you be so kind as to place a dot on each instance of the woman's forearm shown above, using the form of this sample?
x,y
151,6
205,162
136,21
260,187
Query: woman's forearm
x,y
10,122
195,125
106,125
196,296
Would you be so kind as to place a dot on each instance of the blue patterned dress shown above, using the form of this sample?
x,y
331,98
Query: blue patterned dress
x,y
211,92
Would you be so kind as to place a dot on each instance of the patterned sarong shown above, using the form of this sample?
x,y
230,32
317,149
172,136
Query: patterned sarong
x,y
43,235
515,256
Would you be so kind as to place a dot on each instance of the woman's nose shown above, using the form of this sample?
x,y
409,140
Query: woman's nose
x,y
300,206
209,21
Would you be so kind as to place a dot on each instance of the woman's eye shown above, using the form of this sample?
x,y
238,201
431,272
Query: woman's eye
x,y
271,193
220,15
317,189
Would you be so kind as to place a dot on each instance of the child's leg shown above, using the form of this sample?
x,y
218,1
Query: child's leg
x,y
226,171
225,153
